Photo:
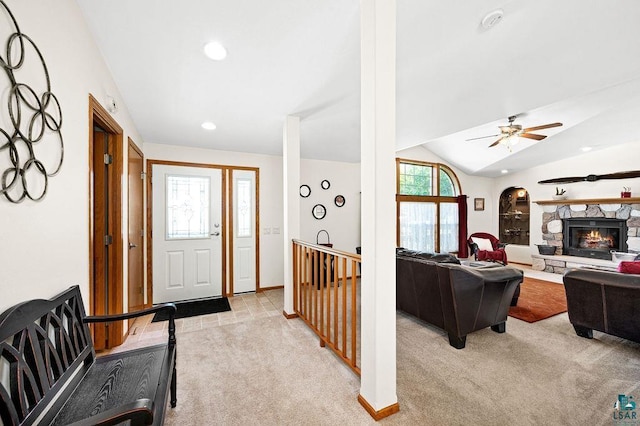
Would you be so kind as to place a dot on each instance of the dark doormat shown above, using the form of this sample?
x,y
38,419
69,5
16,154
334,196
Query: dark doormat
x,y
196,307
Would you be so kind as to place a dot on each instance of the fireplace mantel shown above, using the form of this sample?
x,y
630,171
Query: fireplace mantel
x,y
631,200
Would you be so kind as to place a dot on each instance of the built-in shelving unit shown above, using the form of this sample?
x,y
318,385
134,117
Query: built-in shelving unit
x,y
631,200
514,216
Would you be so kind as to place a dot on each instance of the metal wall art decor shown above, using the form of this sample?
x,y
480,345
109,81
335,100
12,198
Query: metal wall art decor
x,y
31,146
305,191
339,200
325,184
319,211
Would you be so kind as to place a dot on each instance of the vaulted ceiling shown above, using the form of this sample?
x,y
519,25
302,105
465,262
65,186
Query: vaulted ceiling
x,y
575,62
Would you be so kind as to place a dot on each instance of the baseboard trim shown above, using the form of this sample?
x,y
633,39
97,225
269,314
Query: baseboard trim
x,y
289,316
263,289
380,414
519,263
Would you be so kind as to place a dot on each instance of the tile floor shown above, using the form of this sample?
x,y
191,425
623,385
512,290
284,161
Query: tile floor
x,y
244,307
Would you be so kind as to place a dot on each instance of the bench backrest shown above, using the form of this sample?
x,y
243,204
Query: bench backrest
x,y
42,345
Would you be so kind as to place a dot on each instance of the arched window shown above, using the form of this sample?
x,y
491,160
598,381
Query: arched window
x,y
427,208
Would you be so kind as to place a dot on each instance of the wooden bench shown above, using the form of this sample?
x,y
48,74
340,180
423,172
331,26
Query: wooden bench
x,y
49,373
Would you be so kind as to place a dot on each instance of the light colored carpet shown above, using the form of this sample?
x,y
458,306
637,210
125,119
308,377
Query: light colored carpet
x,y
271,371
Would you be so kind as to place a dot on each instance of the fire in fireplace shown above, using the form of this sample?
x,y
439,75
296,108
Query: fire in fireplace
x,y
593,237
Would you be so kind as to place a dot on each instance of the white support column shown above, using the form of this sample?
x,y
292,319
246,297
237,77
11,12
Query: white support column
x,y
378,177
291,197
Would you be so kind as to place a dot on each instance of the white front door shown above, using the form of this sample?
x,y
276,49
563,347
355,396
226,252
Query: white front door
x,y
244,231
187,233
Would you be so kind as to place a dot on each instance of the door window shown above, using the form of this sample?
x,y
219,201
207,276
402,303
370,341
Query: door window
x,y
188,199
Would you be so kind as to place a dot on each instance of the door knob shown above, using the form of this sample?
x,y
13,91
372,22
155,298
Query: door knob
x,y
215,234
131,245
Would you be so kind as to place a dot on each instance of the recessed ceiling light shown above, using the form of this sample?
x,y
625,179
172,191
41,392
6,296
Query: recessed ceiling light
x,y
215,51
586,148
504,171
208,125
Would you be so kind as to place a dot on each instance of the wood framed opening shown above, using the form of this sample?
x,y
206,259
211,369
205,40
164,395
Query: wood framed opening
x,y
227,222
105,223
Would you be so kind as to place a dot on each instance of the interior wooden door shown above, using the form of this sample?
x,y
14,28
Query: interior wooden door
x,y
135,252
106,161
102,228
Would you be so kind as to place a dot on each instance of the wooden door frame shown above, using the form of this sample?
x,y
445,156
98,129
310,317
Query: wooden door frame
x,y
98,116
132,145
257,225
150,163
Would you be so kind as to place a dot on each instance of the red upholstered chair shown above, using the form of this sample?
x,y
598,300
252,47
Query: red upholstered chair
x,y
480,248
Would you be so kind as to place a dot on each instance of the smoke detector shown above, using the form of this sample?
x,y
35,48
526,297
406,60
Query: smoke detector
x,y
492,19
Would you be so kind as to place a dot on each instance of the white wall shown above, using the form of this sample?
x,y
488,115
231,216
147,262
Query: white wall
x,y
342,223
44,246
271,203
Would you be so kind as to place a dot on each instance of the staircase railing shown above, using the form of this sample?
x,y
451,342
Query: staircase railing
x,y
326,294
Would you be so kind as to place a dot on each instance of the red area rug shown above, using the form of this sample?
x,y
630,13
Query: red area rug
x,y
539,300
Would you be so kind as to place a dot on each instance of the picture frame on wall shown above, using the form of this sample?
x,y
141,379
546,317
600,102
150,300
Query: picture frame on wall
x,y
478,204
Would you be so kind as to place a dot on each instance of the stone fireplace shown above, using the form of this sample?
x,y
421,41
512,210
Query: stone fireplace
x,y
593,237
555,214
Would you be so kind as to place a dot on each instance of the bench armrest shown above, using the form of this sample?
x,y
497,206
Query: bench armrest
x,y
139,412
119,317
170,307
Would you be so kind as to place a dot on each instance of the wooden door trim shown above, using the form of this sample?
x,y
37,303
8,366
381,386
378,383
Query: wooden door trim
x,y
132,145
150,163
231,233
99,116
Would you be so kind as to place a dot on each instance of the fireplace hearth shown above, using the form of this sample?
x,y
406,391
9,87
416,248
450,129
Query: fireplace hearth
x,y
593,237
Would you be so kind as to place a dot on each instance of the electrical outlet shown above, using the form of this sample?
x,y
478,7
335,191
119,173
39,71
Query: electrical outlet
x,y
266,231
276,230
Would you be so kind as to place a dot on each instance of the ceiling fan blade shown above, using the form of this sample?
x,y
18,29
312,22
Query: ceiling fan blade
x,y
544,126
532,136
481,137
496,142
593,178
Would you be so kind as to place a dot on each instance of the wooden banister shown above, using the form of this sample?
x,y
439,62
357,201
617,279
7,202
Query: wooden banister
x,y
326,297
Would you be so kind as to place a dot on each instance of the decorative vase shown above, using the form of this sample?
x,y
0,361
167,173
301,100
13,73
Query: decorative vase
x,y
559,197
625,194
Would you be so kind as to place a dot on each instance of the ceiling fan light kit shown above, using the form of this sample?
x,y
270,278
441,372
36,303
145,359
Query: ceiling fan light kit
x,y
510,133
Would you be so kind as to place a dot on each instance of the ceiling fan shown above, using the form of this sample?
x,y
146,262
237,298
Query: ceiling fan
x,y
510,132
